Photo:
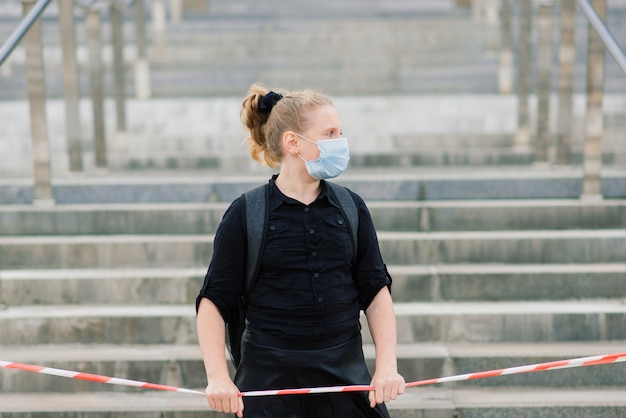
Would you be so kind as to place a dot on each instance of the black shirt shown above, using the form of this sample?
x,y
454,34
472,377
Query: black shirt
x,y
310,286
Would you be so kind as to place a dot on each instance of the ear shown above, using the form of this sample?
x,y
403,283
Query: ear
x,y
290,142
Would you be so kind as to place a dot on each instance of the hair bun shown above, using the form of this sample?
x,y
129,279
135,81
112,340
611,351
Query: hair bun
x,y
267,102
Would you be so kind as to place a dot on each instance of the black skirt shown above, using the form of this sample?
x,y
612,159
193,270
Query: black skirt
x,y
265,366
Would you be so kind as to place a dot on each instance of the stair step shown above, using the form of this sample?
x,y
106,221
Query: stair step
x,y
540,402
568,246
197,218
550,321
102,324
106,251
87,286
421,283
431,402
164,218
507,282
371,183
398,248
145,404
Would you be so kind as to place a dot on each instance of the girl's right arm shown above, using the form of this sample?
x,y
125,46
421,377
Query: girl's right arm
x,y
221,392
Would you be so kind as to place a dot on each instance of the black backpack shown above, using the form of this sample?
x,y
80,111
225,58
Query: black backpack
x,y
256,208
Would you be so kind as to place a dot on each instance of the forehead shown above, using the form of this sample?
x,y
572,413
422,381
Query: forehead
x,y
322,117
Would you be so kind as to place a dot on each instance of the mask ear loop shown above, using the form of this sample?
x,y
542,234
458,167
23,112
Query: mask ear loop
x,y
308,140
301,157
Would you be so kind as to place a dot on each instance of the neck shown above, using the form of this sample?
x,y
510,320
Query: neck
x,y
301,188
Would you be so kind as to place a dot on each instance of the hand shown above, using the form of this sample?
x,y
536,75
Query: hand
x,y
223,396
388,385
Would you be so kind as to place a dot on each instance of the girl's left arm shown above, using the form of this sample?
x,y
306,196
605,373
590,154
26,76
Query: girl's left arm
x,y
381,320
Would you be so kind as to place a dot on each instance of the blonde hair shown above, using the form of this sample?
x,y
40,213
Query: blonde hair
x,y
266,128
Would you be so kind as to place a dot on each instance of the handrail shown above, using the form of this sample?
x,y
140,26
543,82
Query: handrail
x,y
26,23
22,28
604,33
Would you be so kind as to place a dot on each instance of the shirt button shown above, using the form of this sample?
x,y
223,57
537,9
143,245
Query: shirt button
x,y
314,253
320,300
306,209
311,231
273,227
340,221
316,275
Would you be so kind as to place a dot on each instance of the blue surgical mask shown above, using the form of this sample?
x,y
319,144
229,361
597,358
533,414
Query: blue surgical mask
x,y
333,159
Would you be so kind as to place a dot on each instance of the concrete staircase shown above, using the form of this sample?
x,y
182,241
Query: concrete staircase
x,y
217,51
496,262
105,284
357,48
415,83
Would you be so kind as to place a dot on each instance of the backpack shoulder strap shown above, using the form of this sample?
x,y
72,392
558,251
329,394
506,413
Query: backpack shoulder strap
x,y
347,205
257,215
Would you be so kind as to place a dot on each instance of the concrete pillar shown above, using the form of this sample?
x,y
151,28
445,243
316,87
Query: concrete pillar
x,y
492,11
594,123
70,85
477,9
94,42
142,65
6,68
3,303
505,70
36,91
176,10
567,56
544,86
158,26
522,135
486,10
119,79
491,15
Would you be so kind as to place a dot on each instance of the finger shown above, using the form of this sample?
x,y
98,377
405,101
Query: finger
x,y
398,388
372,399
211,401
389,389
233,404
380,395
240,410
219,405
393,393
226,405
401,388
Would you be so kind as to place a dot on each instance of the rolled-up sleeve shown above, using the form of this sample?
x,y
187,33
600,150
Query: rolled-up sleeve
x,y
370,272
223,282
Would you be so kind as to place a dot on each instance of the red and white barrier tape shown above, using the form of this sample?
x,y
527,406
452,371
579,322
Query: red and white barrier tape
x,y
553,365
92,377
540,367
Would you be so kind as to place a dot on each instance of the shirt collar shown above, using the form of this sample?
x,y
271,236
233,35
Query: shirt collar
x,y
277,198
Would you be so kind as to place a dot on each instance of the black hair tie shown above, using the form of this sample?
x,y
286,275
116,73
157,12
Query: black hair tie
x,y
267,102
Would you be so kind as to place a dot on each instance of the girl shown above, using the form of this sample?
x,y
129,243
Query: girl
x,y
302,324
